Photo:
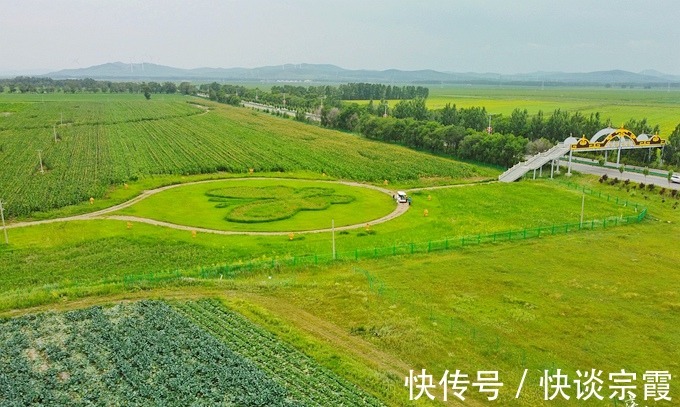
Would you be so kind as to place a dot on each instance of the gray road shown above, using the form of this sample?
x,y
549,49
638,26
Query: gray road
x,y
611,173
287,112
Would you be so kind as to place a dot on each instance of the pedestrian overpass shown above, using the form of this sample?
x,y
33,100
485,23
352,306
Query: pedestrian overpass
x,y
607,140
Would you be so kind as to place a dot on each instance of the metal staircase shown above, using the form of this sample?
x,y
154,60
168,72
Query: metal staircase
x,y
534,162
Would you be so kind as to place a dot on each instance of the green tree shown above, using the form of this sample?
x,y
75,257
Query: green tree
x,y
169,88
147,91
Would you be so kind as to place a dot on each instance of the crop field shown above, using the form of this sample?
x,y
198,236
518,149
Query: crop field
x,y
620,105
108,140
146,353
304,380
108,307
265,205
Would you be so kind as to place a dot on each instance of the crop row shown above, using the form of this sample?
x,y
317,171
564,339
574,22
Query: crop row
x,y
87,159
135,354
47,115
304,379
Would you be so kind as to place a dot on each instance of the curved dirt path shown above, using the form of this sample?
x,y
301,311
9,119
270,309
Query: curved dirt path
x,y
104,213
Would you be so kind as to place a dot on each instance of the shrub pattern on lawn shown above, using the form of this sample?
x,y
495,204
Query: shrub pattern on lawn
x,y
135,354
304,379
269,204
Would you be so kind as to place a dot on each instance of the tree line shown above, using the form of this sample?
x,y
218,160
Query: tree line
x,y
463,132
26,84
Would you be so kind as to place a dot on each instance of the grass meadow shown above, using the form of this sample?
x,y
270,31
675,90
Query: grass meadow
x,y
619,105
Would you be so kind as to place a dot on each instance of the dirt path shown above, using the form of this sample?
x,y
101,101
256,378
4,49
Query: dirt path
x,y
106,213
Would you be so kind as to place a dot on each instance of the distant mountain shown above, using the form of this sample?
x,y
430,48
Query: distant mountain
x,y
657,74
335,74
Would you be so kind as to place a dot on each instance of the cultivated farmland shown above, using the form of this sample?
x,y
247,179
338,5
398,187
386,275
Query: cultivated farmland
x,y
471,276
108,140
145,353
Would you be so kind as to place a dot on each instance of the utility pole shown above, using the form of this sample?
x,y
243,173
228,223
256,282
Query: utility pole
x,y
2,215
583,205
333,234
42,171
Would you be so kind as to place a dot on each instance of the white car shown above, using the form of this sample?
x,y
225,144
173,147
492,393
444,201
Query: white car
x,y
675,178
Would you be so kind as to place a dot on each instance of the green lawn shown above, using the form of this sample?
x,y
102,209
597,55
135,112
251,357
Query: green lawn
x,y
84,252
191,205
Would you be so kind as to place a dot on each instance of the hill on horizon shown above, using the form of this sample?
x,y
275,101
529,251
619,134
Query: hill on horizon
x,y
334,74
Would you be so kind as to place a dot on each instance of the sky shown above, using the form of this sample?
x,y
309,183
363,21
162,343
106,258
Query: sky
x,y
499,36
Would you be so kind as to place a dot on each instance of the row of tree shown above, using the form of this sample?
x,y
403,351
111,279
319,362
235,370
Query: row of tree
x,y
412,124
312,97
26,84
499,149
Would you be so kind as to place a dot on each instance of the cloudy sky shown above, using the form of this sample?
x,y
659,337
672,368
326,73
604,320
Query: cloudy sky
x,y
447,35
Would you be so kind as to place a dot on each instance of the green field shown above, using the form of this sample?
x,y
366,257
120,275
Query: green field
x,y
475,275
265,205
107,140
620,105
56,256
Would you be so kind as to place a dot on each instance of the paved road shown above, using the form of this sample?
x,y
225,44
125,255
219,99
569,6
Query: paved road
x,y
287,112
612,172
